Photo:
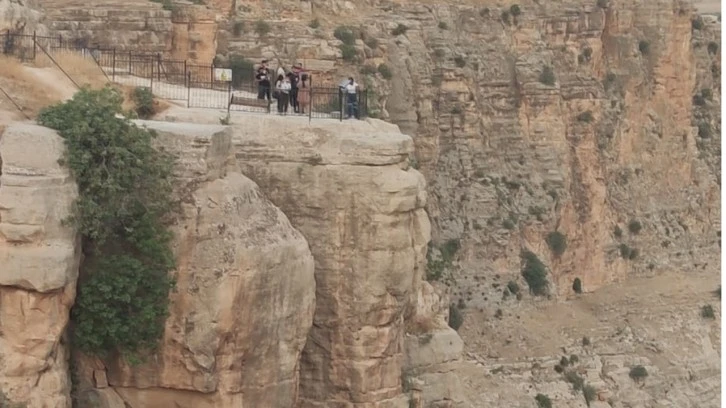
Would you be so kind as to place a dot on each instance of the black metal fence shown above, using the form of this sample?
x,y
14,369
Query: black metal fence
x,y
195,84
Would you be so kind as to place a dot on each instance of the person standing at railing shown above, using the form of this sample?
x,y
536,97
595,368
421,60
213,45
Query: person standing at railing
x,y
263,81
303,93
282,90
351,96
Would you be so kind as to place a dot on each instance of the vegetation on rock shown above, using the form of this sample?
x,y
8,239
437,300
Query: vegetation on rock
x,y
399,30
638,373
547,76
144,100
535,273
577,285
262,28
456,319
707,312
557,242
543,401
125,191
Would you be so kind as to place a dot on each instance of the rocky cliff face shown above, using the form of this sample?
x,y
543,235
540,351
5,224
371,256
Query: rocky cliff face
x,y
40,259
350,192
245,294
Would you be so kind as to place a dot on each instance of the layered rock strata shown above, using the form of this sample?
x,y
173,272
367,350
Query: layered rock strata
x,y
39,260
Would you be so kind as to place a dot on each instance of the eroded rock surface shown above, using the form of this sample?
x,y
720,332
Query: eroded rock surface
x,y
349,189
245,294
39,260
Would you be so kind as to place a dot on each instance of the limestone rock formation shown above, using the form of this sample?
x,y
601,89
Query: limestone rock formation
x,y
245,294
39,260
21,15
348,188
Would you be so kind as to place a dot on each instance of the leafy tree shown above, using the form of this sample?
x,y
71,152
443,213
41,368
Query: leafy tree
x,y
144,100
456,319
124,201
557,242
577,285
535,273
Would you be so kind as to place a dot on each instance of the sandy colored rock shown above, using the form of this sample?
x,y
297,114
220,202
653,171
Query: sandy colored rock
x,y
348,188
245,293
40,259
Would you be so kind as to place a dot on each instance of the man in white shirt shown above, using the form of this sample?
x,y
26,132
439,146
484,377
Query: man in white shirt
x,y
351,91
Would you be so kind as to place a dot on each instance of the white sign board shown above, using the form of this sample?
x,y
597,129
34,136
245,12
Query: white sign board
x,y
222,74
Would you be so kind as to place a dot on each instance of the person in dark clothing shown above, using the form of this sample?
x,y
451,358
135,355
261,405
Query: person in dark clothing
x,y
294,81
263,81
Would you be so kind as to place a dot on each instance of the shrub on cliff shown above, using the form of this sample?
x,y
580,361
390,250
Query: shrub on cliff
x,y
534,273
456,319
547,76
638,373
399,30
543,401
124,200
557,242
577,285
345,34
144,100
385,71
262,28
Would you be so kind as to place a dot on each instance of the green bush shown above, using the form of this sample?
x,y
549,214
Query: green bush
x,y
443,25
238,28
439,53
456,319
699,100
508,224
371,42
585,117
348,52
557,242
547,76
484,12
707,312
559,369
573,378
635,227
345,34
564,362
399,30
460,61
515,10
534,273
314,24
513,287
144,101
242,70
707,94
624,251
574,359
704,130
585,341
590,394
697,23
644,47
618,232
638,373
449,250
385,71
505,17
712,48
577,285
262,28
124,202
610,79
543,401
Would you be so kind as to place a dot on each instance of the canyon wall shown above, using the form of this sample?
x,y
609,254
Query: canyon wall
x,y
40,258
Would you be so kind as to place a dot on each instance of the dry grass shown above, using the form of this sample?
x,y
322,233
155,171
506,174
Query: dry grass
x,y
24,88
82,69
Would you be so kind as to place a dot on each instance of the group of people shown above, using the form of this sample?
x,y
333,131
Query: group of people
x,y
292,88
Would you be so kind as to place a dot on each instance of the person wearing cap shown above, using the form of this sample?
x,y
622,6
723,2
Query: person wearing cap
x,y
263,81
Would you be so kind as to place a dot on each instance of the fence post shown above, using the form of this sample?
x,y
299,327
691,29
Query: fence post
x,y
35,41
340,100
151,77
310,104
113,66
129,73
185,69
189,89
60,41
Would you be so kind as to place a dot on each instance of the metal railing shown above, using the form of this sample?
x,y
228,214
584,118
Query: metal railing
x,y
195,84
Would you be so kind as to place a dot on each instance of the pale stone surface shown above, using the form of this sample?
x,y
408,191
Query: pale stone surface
x,y
245,293
39,261
348,188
